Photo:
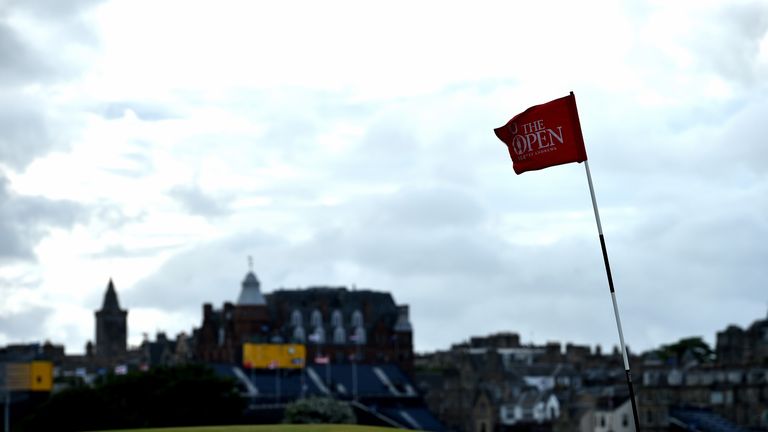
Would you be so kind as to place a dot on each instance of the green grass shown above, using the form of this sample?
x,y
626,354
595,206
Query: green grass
x,y
268,428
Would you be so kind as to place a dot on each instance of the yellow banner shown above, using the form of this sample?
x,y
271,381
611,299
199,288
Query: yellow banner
x,y
274,356
41,376
31,376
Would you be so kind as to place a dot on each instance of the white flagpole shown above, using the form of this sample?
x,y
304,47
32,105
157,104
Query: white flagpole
x,y
613,298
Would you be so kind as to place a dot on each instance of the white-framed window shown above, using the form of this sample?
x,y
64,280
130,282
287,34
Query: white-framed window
x,y
298,334
316,319
339,335
357,318
336,319
358,336
222,334
296,319
318,335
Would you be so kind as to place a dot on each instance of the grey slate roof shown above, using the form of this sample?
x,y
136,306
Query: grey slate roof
x,y
377,307
250,295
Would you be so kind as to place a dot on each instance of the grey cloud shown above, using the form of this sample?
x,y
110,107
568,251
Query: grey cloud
x,y
24,130
146,111
427,207
112,215
701,248
736,32
25,220
23,282
137,161
120,251
197,202
743,136
53,8
26,124
407,253
139,165
413,231
211,272
714,243
292,133
387,153
23,63
28,325
19,63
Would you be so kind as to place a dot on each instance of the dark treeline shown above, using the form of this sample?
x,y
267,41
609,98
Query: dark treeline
x,y
179,396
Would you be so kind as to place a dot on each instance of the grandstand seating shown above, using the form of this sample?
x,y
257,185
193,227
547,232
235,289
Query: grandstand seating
x,y
381,389
702,420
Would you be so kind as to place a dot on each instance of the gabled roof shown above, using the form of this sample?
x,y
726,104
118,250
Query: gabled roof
x,y
531,396
611,403
528,398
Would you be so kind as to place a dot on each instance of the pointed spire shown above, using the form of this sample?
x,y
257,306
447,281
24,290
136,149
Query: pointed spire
x,y
110,298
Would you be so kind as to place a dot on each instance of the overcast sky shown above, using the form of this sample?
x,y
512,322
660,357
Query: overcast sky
x,y
160,143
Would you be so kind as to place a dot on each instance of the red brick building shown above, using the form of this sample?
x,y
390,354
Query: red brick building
x,y
335,323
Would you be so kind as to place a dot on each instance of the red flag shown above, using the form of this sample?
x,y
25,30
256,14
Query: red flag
x,y
544,135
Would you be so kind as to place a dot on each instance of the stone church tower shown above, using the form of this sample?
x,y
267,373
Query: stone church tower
x,y
111,326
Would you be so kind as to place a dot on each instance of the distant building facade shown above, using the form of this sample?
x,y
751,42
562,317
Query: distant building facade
x,y
748,346
494,383
612,414
336,324
733,387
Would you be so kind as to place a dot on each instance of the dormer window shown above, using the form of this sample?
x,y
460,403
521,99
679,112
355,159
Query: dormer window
x,y
339,335
296,320
317,336
357,318
316,319
336,319
358,336
299,335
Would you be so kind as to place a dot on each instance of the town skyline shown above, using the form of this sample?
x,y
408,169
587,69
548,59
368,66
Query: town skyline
x,y
563,343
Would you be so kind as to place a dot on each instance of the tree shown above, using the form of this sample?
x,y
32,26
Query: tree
x,y
319,410
175,396
694,347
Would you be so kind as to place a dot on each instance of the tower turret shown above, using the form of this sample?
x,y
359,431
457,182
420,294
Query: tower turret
x,y
250,294
111,326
